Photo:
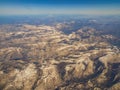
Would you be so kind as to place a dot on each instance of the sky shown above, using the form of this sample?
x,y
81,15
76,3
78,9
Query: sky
x,y
35,7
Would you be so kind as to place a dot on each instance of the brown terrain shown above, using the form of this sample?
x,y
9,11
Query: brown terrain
x,y
45,58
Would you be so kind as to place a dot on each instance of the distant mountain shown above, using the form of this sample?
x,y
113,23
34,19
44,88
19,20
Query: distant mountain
x,y
60,53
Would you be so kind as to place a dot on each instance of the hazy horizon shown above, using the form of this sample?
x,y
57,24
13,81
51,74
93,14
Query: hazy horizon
x,y
35,7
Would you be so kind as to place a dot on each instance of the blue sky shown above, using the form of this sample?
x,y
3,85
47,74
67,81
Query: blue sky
x,y
95,7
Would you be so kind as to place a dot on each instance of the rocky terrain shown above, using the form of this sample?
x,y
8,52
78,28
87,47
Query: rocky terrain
x,y
44,57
